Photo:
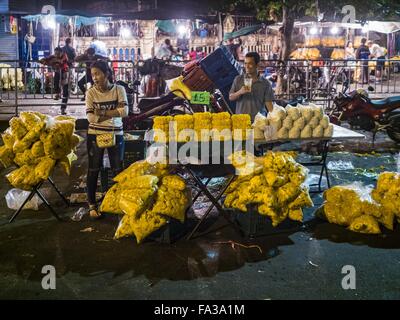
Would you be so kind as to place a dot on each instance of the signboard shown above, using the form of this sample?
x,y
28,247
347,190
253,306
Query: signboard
x,y
229,24
200,97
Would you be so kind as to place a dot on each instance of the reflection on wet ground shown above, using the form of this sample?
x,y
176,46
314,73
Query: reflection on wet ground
x,y
91,253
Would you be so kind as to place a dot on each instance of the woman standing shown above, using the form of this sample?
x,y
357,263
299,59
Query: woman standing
x,y
350,56
106,105
350,53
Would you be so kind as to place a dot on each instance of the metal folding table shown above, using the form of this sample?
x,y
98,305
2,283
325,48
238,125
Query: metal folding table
x,y
339,134
36,190
209,171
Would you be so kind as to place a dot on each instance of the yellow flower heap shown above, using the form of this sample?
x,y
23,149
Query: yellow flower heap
x,y
221,126
240,124
145,195
183,132
362,210
274,183
205,126
35,143
202,125
387,192
161,128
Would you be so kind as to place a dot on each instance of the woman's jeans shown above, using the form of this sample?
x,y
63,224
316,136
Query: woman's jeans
x,y
96,154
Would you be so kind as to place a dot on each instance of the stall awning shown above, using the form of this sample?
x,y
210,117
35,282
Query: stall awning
x,y
166,26
63,19
242,32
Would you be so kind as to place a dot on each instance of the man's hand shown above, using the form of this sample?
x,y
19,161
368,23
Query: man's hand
x,y
243,90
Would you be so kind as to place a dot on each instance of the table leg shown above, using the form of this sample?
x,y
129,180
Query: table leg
x,y
197,195
58,191
205,190
215,203
324,166
48,205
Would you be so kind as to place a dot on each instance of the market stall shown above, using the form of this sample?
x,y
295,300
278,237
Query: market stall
x,y
210,151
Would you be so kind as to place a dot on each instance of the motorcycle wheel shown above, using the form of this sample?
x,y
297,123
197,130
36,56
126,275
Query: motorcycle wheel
x,y
393,134
394,130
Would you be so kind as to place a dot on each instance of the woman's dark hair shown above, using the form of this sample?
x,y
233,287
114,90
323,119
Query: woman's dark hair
x,y
253,55
105,68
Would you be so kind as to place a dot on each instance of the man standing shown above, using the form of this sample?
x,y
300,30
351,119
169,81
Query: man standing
x,y
88,58
59,63
251,99
377,53
363,53
165,51
69,51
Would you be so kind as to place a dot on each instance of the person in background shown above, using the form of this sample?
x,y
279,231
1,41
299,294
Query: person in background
x,y
59,62
377,53
241,50
349,52
259,96
106,105
274,54
88,58
350,56
233,48
69,51
165,51
363,53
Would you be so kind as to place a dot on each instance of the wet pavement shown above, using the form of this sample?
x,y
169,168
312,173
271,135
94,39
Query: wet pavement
x,y
297,263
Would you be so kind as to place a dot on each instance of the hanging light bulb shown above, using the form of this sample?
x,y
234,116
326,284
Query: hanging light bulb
x,y
182,30
49,22
125,33
334,30
314,30
101,28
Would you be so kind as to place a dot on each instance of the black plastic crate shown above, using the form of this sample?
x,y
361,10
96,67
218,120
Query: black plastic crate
x,y
135,150
253,225
171,232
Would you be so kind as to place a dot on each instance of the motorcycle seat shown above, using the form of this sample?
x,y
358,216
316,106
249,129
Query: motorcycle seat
x,y
151,102
387,102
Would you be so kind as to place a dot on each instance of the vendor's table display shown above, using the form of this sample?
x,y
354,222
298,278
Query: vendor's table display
x,y
290,124
35,144
304,123
362,209
339,134
201,126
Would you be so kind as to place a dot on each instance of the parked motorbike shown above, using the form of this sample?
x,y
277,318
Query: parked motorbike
x,y
168,104
371,115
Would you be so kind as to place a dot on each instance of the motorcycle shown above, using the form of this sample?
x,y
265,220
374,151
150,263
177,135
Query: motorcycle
x,y
169,105
371,115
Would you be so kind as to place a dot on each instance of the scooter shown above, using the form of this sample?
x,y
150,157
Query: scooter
x,y
371,115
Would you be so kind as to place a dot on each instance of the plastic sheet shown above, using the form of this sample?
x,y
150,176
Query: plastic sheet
x,y
16,197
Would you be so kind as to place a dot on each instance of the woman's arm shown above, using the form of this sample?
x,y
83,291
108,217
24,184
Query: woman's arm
x,y
121,111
